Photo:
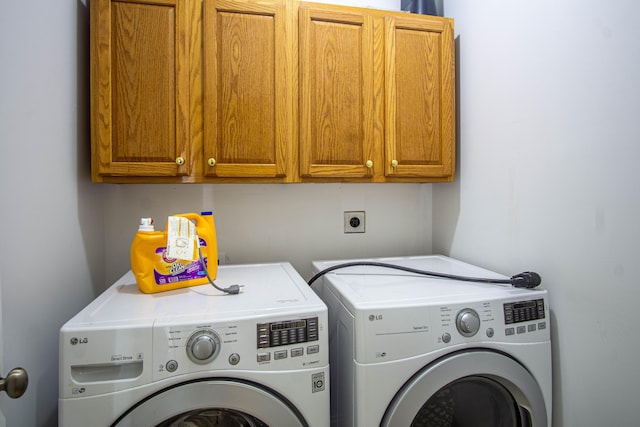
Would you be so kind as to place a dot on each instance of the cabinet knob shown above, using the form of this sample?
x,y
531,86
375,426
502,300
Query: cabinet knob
x,y
211,162
369,164
394,163
180,161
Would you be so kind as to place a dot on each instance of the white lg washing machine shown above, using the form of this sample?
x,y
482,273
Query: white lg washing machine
x,y
195,356
410,350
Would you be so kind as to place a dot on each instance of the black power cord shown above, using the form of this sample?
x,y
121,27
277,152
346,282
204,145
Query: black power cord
x,y
526,279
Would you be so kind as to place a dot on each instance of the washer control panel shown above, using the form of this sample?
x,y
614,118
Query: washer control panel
x,y
298,331
245,344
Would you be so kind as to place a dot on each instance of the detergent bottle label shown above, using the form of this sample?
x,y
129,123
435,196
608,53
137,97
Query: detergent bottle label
x,y
171,270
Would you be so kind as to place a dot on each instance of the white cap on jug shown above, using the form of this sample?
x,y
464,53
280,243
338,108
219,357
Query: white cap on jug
x,y
146,224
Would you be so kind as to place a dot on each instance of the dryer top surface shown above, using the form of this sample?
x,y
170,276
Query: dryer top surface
x,y
367,286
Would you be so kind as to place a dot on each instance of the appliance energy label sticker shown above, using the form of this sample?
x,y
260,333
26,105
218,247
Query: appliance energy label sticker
x,y
317,382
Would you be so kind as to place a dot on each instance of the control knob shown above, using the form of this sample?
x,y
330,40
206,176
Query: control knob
x,y
468,322
203,346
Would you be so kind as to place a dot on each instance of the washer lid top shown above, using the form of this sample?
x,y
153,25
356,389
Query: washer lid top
x,y
274,288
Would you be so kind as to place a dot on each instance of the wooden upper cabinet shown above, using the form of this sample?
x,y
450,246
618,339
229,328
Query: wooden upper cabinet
x,y
377,95
339,130
247,79
139,88
420,97
269,91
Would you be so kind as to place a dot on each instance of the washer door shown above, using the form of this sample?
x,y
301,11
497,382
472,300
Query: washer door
x,y
469,389
213,402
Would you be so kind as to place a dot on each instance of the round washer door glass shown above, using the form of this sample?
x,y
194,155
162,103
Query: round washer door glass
x,y
469,389
213,402
212,418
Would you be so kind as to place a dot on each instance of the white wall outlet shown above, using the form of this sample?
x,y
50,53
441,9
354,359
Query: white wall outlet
x,y
354,222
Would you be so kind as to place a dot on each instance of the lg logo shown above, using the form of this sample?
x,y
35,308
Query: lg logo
x,y
75,341
373,317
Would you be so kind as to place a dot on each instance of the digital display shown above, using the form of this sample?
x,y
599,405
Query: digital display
x,y
523,311
293,324
276,334
526,304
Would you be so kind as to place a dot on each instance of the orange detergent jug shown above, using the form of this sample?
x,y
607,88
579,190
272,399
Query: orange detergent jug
x,y
155,271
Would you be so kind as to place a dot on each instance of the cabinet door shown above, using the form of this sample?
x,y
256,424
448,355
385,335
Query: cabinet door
x,y
140,88
338,122
420,97
247,89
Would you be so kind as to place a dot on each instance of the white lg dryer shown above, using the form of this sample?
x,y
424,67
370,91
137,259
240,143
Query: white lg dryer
x,y
414,350
195,356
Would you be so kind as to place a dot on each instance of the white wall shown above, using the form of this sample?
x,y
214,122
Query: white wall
x,y
548,134
549,141
298,223
51,254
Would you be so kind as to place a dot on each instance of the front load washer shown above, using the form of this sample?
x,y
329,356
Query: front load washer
x,y
410,350
195,356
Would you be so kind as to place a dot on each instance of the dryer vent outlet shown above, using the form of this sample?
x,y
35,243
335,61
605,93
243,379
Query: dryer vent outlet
x,y
354,222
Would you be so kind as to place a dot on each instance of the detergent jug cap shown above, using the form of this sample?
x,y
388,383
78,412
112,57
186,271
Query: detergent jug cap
x,y
146,224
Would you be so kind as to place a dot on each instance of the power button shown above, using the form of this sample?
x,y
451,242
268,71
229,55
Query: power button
x,y
171,366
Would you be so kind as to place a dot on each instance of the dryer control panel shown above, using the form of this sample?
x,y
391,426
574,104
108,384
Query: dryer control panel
x,y
523,311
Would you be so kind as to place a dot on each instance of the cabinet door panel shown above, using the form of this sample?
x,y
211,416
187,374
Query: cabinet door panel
x,y
247,83
337,114
139,88
420,112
